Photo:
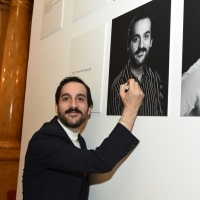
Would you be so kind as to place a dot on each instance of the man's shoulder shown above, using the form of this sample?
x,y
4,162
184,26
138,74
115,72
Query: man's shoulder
x,y
195,68
151,72
193,74
49,128
120,79
51,124
116,80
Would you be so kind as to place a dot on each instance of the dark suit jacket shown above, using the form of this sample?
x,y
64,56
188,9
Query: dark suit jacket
x,y
55,169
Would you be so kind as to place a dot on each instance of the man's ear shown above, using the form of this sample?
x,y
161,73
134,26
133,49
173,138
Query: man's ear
x,y
89,110
128,47
56,108
151,42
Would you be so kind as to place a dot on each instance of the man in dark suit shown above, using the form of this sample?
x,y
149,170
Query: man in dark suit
x,y
57,163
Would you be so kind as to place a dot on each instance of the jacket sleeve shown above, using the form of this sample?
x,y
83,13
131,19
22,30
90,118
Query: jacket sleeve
x,y
51,152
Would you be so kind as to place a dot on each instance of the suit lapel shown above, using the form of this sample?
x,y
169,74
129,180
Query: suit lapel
x,y
82,142
61,132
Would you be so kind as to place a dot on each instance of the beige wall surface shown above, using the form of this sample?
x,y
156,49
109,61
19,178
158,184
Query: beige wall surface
x,y
166,163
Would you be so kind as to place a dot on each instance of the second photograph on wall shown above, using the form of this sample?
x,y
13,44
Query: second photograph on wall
x,y
190,83
139,49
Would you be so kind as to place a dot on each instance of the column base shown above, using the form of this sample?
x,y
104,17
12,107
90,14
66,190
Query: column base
x,y
9,166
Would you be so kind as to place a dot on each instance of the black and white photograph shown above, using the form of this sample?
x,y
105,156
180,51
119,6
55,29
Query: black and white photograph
x,y
190,80
140,41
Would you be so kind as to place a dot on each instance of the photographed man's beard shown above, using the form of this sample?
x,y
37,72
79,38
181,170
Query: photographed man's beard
x,y
137,62
66,122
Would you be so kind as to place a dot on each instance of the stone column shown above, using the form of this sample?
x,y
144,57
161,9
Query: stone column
x,y
4,13
12,91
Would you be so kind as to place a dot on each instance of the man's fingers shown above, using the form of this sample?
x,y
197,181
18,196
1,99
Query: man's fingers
x,y
130,91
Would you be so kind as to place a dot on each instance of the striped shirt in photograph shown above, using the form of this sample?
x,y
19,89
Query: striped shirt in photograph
x,y
150,85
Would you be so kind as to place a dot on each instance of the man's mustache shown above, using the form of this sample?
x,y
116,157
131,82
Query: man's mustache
x,y
73,109
143,49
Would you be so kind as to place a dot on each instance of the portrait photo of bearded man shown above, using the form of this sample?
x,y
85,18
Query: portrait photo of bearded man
x,y
147,64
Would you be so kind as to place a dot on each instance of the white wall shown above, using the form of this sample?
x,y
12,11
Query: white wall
x,y
166,163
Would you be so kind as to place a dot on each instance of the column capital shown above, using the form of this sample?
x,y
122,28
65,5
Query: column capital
x,y
22,2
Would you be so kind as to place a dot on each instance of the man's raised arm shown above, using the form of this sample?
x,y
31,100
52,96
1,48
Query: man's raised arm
x,y
131,96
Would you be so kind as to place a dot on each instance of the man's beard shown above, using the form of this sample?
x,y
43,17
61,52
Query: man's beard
x,y
67,122
137,62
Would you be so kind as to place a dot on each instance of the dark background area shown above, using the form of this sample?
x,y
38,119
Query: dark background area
x,y
191,34
158,58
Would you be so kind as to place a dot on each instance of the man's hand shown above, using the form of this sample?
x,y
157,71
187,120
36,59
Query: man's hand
x,y
131,97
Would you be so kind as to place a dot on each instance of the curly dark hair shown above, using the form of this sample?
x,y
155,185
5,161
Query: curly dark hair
x,y
73,79
140,15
